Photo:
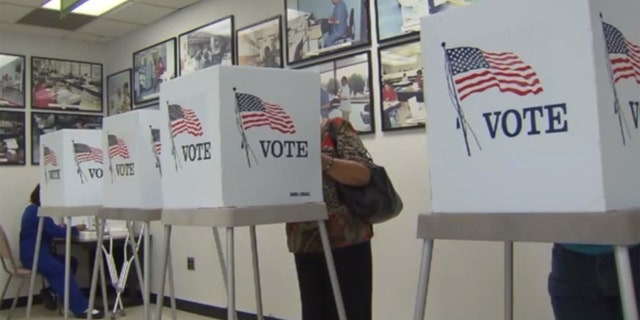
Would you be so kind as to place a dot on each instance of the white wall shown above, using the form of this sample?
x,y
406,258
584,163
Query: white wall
x,y
16,183
466,278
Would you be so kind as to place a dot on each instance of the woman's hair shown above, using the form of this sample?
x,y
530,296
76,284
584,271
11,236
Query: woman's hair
x,y
344,79
35,196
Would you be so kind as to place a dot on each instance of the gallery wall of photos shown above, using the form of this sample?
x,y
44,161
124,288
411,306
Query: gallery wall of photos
x,y
333,39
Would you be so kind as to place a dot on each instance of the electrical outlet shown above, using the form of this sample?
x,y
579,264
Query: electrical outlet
x,y
191,263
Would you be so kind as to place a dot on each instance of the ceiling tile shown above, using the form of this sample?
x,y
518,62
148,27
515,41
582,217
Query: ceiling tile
x,y
177,4
12,13
138,13
26,3
109,28
33,30
78,36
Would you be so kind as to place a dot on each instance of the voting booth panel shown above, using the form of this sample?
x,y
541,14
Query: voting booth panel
x,y
132,160
239,136
71,165
531,112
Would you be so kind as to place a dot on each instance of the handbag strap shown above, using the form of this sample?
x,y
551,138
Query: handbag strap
x,y
333,134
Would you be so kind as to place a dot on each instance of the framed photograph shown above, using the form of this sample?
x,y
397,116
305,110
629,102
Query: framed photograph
x,y
66,85
399,18
12,81
346,90
12,138
152,66
151,106
437,6
260,44
316,28
45,122
119,92
402,86
207,46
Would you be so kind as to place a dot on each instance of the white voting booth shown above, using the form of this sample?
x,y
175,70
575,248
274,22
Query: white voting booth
x,y
533,116
71,164
132,193
240,147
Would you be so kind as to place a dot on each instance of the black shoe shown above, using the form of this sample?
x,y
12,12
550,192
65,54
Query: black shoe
x,y
49,299
97,314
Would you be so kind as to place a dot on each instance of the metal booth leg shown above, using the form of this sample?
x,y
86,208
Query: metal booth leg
x,y
96,265
166,248
333,276
146,265
256,272
172,293
221,259
142,278
34,268
508,280
625,280
423,279
67,266
231,281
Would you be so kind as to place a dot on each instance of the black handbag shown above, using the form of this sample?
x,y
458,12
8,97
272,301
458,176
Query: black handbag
x,y
375,202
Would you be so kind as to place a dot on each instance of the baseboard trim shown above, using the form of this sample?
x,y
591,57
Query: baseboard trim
x,y
22,302
208,310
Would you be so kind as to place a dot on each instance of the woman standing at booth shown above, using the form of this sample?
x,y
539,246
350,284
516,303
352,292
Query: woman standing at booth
x,y
51,266
343,161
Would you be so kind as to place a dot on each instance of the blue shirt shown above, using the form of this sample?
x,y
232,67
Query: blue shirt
x,y
29,233
341,14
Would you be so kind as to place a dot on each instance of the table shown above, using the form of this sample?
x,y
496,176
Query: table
x,y
66,213
231,218
618,228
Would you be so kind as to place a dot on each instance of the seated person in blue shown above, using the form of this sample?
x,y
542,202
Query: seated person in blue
x,y
338,23
583,283
51,266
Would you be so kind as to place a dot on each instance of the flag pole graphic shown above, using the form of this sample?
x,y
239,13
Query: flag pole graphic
x,y
46,178
155,153
616,103
109,156
174,153
461,122
245,144
75,157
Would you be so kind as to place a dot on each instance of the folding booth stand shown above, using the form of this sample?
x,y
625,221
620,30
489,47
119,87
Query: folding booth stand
x,y
231,218
618,228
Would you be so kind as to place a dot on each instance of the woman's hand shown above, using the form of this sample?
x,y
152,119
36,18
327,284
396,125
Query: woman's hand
x,y
347,172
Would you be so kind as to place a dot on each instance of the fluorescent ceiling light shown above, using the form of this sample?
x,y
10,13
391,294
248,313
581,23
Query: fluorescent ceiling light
x,y
90,7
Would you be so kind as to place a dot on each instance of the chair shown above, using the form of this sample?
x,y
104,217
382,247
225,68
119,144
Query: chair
x,y
10,267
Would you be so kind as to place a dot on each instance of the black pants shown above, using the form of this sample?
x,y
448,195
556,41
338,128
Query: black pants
x,y
353,265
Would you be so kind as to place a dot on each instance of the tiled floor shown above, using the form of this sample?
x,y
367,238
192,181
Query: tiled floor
x,y
39,313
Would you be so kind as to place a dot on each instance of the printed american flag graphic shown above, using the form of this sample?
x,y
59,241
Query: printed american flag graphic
x,y
624,55
155,136
256,112
184,120
117,147
50,157
474,70
86,153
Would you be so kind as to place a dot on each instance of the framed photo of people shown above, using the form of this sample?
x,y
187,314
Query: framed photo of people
x,y
12,138
207,46
346,90
399,18
402,86
260,44
437,6
12,81
45,122
151,67
317,28
66,85
119,92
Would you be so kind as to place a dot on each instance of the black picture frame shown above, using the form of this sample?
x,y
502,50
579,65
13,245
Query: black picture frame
x,y
309,29
119,98
204,34
243,40
437,6
13,144
401,86
391,24
146,79
45,122
331,73
66,85
13,81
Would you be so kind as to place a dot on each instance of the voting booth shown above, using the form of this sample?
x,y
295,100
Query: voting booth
x,y
132,160
540,116
239,137
71,164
